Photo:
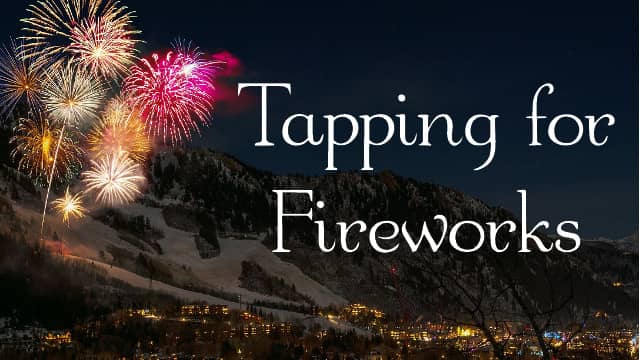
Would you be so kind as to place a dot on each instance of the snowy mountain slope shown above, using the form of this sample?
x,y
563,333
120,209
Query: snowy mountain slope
x,y
192,296
88,238
224,270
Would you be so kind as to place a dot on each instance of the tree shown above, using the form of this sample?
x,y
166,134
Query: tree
x,y
489,291
209,234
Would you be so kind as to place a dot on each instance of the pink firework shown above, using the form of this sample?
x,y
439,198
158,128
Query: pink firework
x,y
174,92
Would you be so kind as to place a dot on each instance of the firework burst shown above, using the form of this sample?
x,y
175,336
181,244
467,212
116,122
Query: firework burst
x,y
119,130
72,95
35,143
69,206
173,92
102,48
115,178
20,78
84,29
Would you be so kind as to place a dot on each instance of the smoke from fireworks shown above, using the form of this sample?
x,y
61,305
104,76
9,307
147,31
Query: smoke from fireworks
x,y
20,78
173,92
115,178
72,95
69,206
119,130
80,27
35,142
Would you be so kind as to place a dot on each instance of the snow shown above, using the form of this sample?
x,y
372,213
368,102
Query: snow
x,y
86,237
224,270
192,296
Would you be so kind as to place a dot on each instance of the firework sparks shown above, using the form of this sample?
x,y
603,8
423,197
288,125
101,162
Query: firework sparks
x,y
35,143
115,178
173,92
103,48
119,130
72,95
20,78
69,206
84,29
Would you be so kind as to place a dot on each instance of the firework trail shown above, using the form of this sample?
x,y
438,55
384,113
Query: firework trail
x,y
93,32
173,92
70,95
35,139
116,179
50,181
20,77
69,206
119,130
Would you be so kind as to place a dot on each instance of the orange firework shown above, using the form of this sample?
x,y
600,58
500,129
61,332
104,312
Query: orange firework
x,y
20,78
119,130
35,143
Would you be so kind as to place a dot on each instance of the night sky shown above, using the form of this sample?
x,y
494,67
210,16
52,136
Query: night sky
x,y
456,58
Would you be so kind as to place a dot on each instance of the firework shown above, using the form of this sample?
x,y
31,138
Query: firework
x,y
116,179
173,92
20,78
102,48
119,130
69,206
83,29
35,143
71,94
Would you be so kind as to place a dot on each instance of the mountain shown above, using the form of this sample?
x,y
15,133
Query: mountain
x,y
614,261
241,200
206,226
625,244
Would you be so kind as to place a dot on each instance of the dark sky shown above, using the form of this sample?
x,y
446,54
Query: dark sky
x,y
459,58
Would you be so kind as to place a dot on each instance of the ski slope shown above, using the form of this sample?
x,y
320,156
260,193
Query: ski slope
x,y
87,237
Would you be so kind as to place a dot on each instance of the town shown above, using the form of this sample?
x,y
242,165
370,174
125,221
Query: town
x,y
356,331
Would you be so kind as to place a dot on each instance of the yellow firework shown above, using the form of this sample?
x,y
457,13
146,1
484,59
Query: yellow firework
x,y
20,78
116,179
69,206
72,95
83,29
35,142
119,130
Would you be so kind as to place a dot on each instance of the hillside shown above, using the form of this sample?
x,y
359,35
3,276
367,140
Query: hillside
x,y
200,194
241,200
